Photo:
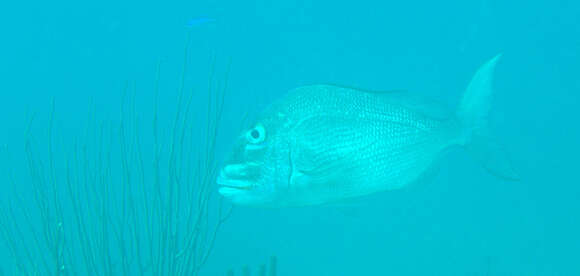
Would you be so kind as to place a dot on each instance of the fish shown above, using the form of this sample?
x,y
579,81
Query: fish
x,y
199,21
321,144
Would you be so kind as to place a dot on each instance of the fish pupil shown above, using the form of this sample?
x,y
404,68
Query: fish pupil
x,y
255,134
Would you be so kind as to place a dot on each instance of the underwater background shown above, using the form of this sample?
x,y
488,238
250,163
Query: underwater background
x,y
67,66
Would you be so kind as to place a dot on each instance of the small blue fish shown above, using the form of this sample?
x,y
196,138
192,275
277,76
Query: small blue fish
x,y
199,21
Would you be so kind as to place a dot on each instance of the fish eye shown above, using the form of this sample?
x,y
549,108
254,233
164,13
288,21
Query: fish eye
x,y
256,135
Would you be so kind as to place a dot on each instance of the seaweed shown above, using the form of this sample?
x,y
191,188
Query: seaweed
x,y
120,200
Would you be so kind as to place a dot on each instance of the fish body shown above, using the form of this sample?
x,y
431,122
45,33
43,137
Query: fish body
x,y
199,21
325,143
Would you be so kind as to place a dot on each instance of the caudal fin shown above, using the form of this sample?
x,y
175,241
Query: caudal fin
x,y
473,114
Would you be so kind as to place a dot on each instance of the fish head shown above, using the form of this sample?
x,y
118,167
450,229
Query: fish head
x,y
258,170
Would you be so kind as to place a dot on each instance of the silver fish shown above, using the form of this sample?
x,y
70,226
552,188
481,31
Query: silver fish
x,y
324,143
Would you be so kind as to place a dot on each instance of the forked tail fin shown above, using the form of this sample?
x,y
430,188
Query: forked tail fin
x,y
473,114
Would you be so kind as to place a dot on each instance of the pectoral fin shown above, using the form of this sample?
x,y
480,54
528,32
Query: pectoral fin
x,y
325,152
309,171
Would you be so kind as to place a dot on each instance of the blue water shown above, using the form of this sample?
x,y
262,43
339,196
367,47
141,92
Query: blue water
x,y
86,56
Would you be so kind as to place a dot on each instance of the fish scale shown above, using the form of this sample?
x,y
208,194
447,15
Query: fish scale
x,y
378,155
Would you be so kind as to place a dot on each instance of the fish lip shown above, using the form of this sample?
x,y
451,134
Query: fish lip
x,y
225,182
245,188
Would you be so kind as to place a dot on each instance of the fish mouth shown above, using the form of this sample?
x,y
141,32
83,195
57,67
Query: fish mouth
x,y
224,181
237,176
235,186
229,186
